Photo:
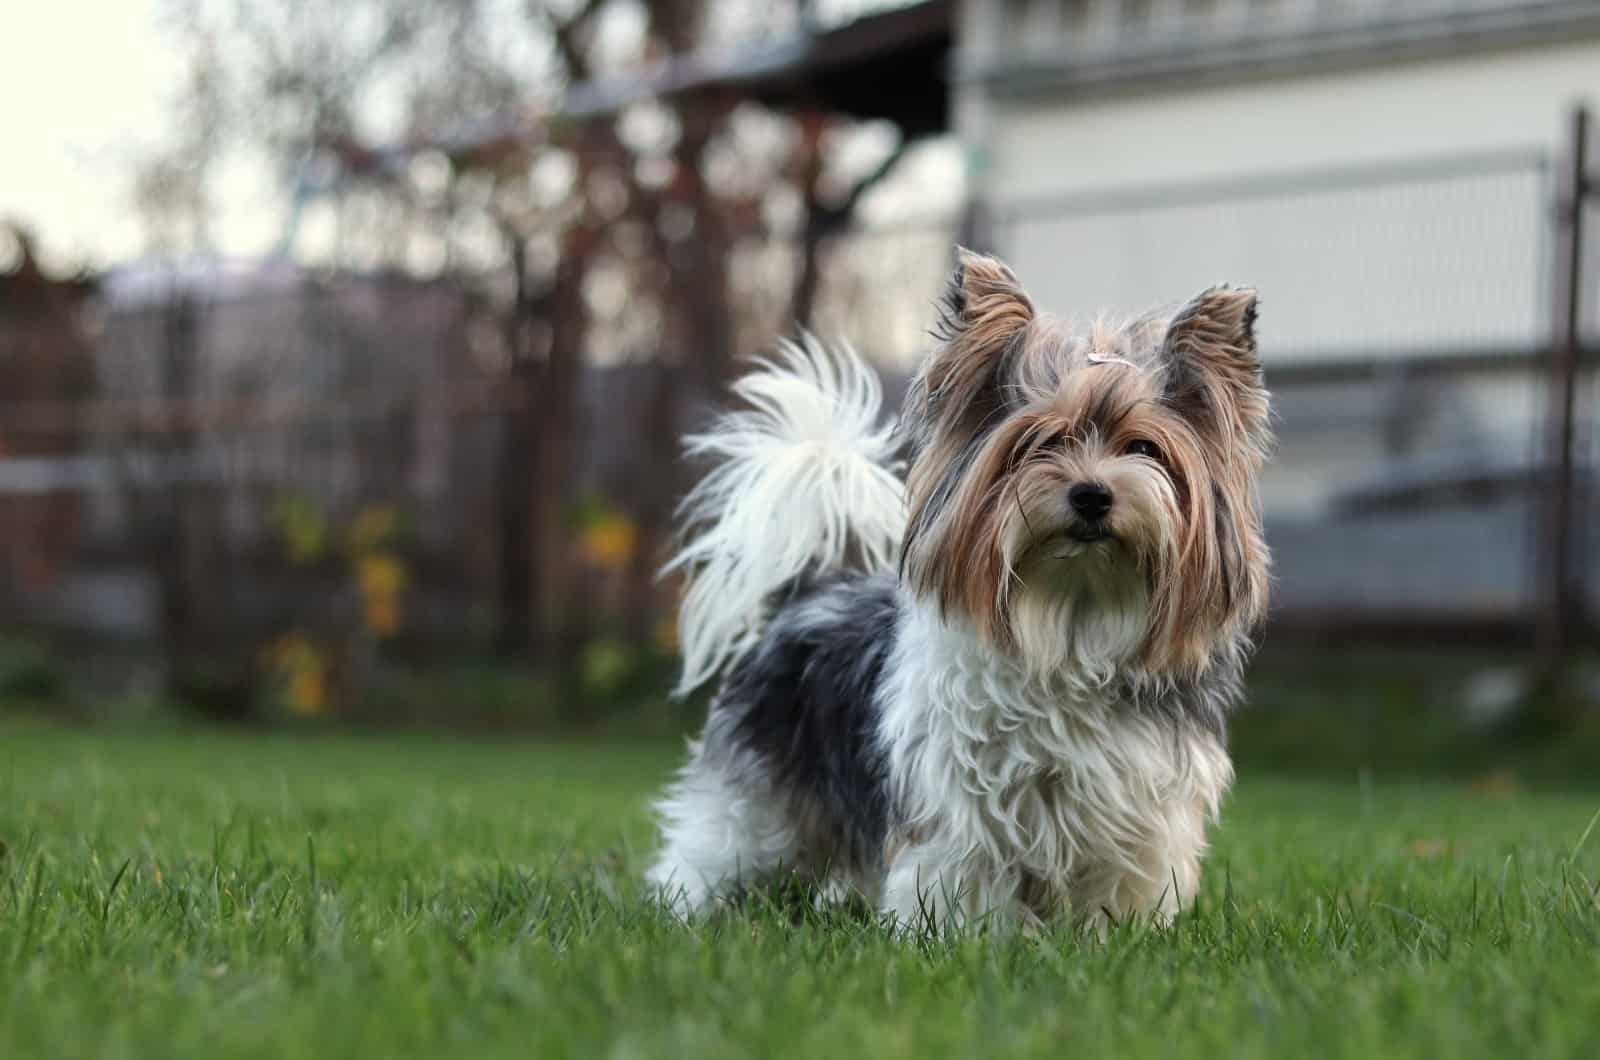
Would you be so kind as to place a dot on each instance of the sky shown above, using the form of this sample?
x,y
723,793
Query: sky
x,y
83,84
86,87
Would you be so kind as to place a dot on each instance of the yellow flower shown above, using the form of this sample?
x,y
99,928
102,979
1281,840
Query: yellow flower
x,y
381,574
382,614
304,530
304,671
308,692
373,527
609,541
382,578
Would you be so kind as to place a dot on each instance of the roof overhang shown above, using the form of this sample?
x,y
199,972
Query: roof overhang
x,y
1259,49
892,65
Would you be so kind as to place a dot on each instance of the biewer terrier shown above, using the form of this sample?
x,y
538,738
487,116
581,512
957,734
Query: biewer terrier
x,y
995,686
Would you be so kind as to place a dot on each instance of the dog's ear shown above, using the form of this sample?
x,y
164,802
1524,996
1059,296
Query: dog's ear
x,y
982,311
954,404
1213,375
983,304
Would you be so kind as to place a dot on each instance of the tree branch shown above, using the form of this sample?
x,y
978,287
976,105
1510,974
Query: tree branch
x,y
566,33
831,217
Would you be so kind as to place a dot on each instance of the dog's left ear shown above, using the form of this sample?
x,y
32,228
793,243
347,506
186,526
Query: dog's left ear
x,y
1213,375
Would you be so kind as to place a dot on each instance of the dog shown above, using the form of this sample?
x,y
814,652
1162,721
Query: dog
x,y
976,665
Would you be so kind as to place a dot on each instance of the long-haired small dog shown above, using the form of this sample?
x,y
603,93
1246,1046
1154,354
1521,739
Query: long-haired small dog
x,y
997,686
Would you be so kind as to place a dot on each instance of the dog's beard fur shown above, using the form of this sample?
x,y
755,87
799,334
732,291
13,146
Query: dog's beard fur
x,y
1169,416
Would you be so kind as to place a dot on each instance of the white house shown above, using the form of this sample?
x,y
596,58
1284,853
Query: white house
x,y
1139,146
1380,169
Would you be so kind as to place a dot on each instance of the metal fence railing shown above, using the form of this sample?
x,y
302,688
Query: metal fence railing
x,y
1406,328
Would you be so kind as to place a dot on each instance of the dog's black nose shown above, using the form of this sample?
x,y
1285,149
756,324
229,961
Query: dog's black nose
x,y
1090,500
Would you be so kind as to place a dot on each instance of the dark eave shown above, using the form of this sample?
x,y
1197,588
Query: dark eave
x,y
891,65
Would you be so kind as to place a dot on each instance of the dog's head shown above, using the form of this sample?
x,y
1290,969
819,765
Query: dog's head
x,y
1089,493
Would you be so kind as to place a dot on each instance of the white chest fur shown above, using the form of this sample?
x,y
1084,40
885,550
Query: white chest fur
x,y
1006,780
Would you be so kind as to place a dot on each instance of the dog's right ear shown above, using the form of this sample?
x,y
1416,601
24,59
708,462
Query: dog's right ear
x,y
957,400
983,309
983,304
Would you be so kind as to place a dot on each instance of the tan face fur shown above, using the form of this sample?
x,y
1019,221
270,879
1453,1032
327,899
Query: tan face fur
x,y
1023,429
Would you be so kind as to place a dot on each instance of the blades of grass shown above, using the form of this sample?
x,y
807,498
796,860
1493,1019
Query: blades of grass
x,y
251,851
1472,911
30,918
1505,923
1437,939
288,889
1227,900
1584,838
19,856
308,925
116,881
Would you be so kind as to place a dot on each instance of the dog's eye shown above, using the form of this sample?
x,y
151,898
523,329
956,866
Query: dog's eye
x,y
1145,448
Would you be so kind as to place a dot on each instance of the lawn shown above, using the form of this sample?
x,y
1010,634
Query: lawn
x,y
220,895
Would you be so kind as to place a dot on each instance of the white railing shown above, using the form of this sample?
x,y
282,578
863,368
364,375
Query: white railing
x,y
1106,27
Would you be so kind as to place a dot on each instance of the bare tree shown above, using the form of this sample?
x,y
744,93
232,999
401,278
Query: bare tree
x,y
438,124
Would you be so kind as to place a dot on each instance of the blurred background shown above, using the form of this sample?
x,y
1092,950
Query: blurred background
x,y
344,348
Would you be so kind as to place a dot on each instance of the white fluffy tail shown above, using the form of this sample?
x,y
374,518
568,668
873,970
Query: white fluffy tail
x,y
807,471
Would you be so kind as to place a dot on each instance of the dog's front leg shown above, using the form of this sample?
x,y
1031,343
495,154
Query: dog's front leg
x,y
925,888
931,888
1158,878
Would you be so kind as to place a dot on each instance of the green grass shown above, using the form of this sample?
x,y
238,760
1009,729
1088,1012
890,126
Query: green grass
x,y
182,894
